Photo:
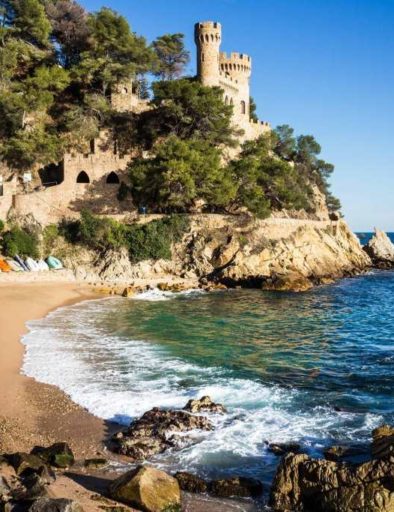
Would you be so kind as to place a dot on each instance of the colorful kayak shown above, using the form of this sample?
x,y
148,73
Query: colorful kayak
x,y
19,260
14,265
4,266
54,263
32,265
43,265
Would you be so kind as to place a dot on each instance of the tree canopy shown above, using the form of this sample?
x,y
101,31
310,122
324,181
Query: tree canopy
x,y
172,56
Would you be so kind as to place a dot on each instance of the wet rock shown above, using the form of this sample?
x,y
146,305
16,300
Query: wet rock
x,y
191,483
156,431
95,463
22,462
383,442
147,489
381,250
291,282
204,404
305,484
128,292
58,455
337,453
237,486
283,448
55,505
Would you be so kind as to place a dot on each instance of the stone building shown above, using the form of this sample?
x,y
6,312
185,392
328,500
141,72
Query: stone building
x,y
229,72
91,180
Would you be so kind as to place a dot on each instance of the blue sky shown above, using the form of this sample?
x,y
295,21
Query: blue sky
x,y
326,67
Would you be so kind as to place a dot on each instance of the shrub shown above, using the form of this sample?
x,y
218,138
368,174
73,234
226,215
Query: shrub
x,y
49,235
18,241
2,226
154,240
122,191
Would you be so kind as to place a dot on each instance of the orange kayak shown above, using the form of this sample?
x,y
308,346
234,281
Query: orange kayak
x,y
4,267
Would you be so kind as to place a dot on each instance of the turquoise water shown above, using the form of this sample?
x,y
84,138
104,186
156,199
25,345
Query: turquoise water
x,y
316,368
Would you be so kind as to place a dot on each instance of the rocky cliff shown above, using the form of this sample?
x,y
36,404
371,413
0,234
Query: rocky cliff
x,y
276,253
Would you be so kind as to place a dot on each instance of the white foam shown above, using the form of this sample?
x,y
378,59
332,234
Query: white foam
x,y
159,295
115,377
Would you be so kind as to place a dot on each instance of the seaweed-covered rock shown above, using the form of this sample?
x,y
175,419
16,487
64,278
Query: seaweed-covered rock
x,y
58,455
236,486
204,404
191,483
146,488
22,462
156,431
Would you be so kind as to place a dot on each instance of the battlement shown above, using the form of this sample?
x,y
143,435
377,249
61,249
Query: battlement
x,y
235,63
207,32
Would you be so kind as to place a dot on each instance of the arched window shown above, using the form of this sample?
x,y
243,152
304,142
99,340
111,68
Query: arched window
x,y
243,107
113,178
231,102
83,177
202,57
226,100
207,38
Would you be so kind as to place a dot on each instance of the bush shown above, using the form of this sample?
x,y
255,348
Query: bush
x,y
122,191
49,235
2,226
153,241
18,241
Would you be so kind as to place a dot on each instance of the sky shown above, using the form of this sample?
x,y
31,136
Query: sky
x,y
325,67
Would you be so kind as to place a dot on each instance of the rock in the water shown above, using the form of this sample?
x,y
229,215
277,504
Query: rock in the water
x,y
204,404
156,431
59,455
383,442
381,250
237,486
336,453
55,505
191,483
283,448
305,484
291,282
146,488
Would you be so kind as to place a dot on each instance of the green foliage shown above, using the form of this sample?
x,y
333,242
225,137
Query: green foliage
x,y
286,145
189,110
252,110
266,182
18,241
30,21
178,173
49,236
153,241
172,508
2,226
172,56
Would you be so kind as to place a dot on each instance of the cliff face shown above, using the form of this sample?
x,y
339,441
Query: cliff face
x,y
277,253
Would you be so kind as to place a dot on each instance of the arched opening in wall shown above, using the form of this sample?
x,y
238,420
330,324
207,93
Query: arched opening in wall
x,y
207,38
202,57
83,177
113,178
243,107
231,102
226,100
51,175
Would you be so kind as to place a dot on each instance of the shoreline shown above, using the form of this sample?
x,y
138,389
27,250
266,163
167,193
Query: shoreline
x,y
32,412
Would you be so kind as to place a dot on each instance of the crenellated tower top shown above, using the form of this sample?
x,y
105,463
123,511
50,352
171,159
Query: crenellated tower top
x,y
237,65
208,37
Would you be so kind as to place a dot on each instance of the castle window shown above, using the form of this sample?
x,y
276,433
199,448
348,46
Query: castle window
x,y
231,102
83,177
113,178
226,100
243,107
202,57
125,90
207,38
92,146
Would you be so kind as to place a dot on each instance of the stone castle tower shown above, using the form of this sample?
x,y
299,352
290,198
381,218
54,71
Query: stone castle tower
x,y
229,72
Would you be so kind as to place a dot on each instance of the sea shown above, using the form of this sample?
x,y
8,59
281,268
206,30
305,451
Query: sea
x,y
314,368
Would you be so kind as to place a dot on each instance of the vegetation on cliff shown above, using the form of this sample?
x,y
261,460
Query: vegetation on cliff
x,y
59,66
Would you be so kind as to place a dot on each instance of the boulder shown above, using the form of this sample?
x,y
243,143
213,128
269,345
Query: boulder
x,y
191,483
291,282
128,292
336,453
22,462
156,431
55,505
58,455
236,486
204,404
305,484
283,448
95,463
380,249
147,489
383,442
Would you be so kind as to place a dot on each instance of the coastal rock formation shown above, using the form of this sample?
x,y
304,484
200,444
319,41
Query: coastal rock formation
x,y
236,486
146,488
204,404
55,505
156,431
191,483
305,484
58,455
381,250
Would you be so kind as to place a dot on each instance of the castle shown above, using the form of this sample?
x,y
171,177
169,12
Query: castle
x,y
92,180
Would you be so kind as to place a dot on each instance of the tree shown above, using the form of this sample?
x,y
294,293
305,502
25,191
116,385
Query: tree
x,y
116,53
189,110
252,110
31,22
180,172
172,56
266,182
69,29
286,144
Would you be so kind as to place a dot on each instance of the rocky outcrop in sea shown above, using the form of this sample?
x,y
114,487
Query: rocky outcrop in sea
x,y
381,250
